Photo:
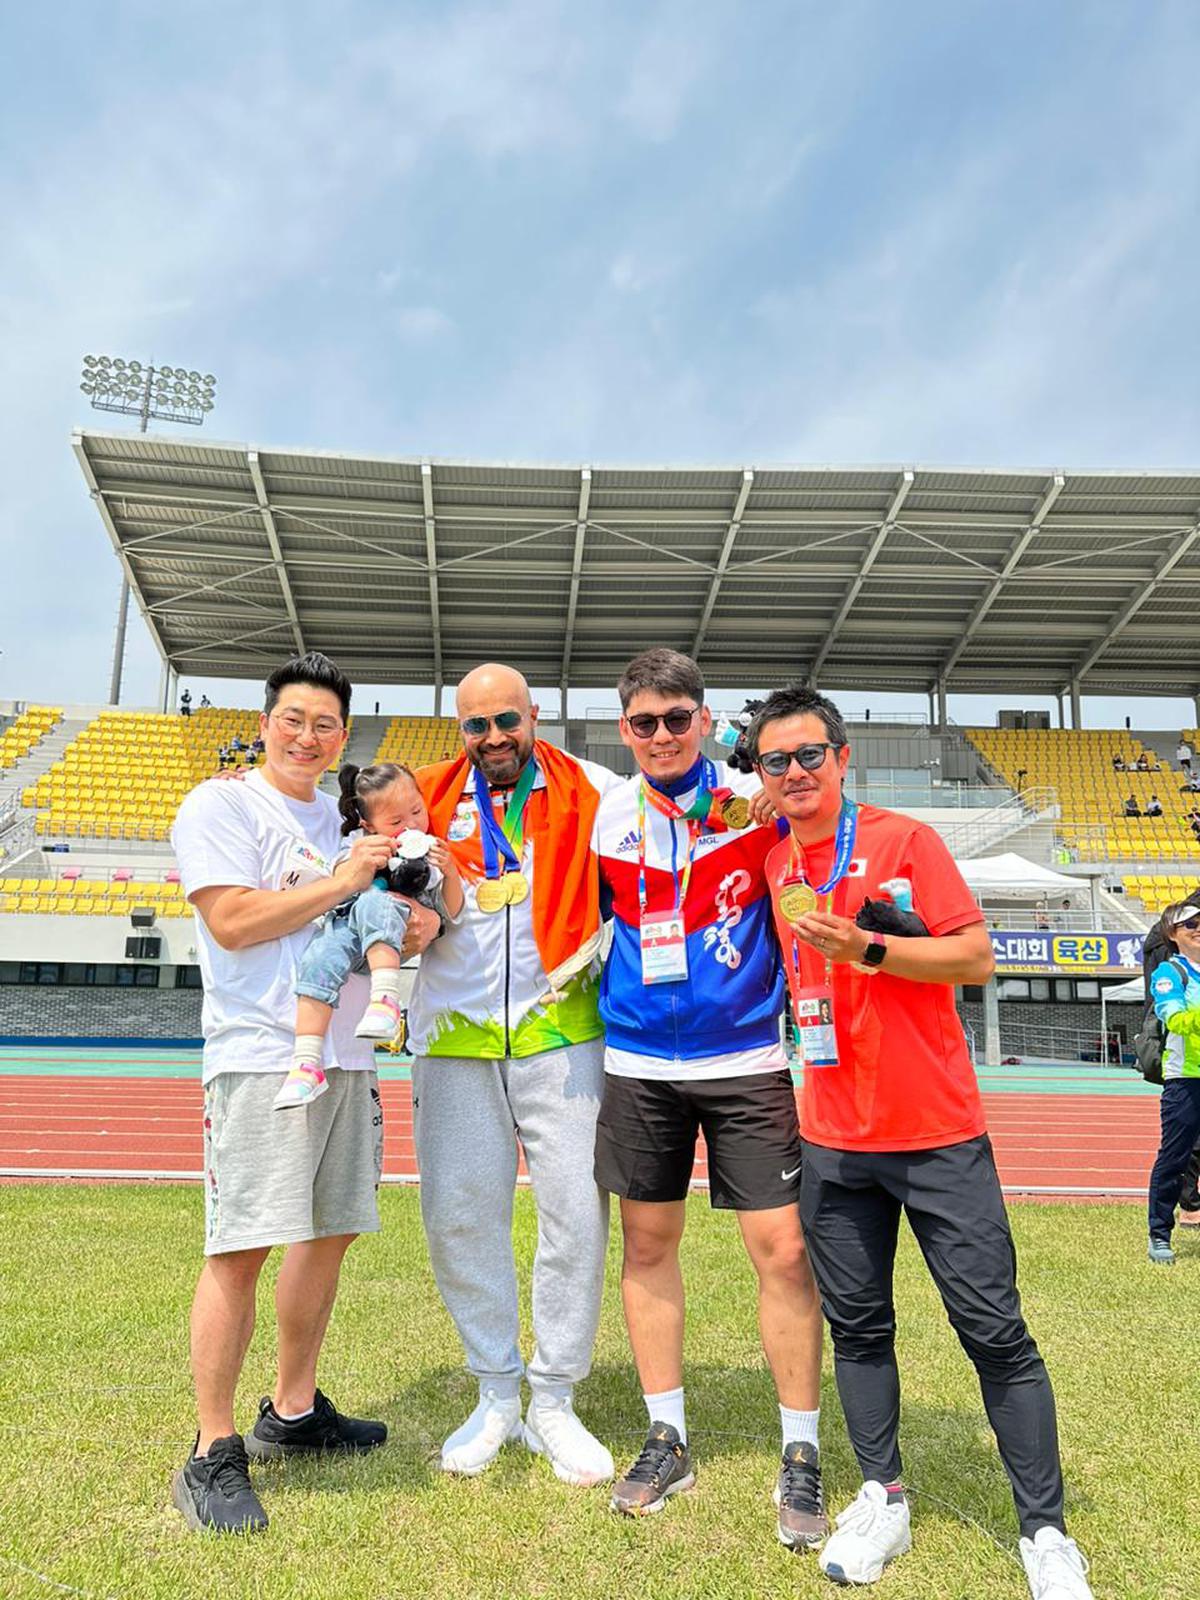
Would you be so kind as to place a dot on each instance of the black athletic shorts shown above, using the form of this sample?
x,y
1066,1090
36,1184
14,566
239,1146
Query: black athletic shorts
x,y
646,1139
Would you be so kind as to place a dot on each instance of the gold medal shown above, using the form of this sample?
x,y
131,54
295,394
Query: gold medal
x,y
516,887
491,895
796,900
735,813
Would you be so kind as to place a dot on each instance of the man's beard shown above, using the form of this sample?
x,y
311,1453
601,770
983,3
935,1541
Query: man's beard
x,y
503,768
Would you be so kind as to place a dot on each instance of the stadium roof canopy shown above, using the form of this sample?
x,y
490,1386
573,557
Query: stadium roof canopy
x,y
412,571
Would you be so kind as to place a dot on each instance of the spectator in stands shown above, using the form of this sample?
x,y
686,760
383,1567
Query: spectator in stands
x,y
185,703
1131,806
1175,990
1142,764
256,745
1154,806
1190,785
506,1033
252,757
255,859
225,757
1193,822
1184,753
896,1124
237,744
205,702
1118,764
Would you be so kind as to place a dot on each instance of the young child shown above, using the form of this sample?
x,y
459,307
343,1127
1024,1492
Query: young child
x,y
369,926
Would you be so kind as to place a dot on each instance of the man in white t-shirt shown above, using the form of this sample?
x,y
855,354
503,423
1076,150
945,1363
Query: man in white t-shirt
x,y
257,862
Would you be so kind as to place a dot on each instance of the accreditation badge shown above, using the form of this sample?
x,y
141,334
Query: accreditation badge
x,y
816,1040
664,948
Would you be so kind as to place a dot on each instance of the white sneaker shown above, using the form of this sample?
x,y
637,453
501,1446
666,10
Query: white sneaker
x,y
1055,1567
495,1422
553,1430
868,1534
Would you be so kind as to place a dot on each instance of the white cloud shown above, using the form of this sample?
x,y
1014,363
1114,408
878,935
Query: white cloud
x,y
419,324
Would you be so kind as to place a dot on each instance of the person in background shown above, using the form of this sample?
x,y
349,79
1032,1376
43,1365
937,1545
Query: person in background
x,y
1131,806
1184,753
1154,806
1118,764
1174,989
205,702
1156,950
185,703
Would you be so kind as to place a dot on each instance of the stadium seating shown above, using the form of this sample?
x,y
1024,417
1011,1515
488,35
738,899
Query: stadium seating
x,y
92,897
125,774
416,741
29,729
1077,763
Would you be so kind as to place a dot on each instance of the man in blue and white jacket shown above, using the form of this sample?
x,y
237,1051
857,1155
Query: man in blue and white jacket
x,y
691,999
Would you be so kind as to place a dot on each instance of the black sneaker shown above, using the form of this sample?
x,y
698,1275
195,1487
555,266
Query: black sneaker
x,y
802,1523
323,1429
213,1490
663,1468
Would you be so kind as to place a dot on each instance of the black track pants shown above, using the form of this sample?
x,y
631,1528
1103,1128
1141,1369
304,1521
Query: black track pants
x,y
850,1203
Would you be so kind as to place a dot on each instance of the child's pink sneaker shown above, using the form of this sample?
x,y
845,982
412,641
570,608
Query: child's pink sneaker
x,y
381,1020
302,1085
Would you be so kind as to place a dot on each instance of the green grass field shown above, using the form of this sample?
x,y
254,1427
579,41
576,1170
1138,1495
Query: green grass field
x,y
94,1396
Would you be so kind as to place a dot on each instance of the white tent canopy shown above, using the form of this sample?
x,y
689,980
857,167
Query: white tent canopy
x,y
1011,877
1133,992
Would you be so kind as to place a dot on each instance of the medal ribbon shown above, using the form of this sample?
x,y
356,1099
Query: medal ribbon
x,y
705,806
843,853
694,828
503,840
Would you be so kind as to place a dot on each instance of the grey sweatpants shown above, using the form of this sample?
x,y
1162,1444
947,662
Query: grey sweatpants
x,y
467,1115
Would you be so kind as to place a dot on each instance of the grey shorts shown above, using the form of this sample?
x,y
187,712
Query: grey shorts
x,y
279,1177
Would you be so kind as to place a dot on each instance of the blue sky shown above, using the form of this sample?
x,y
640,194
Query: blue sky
x,y
950,233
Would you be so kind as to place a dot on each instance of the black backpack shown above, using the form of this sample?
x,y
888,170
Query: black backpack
x,y
1151,1041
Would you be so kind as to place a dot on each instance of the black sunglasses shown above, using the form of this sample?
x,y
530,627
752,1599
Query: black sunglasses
x,y
810,756
1191,924
506,721
676,721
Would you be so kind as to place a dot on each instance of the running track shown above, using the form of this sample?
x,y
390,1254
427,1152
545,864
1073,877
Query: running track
x,y
1058,1128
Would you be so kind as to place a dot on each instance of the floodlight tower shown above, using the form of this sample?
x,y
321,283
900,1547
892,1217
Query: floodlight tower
x,y
168,394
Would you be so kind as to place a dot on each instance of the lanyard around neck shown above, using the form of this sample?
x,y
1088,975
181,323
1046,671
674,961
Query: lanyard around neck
x,y
503,841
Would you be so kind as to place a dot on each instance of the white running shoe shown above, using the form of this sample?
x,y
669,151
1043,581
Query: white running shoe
x,y
868,1534
495,1422
1055,1567
553,1430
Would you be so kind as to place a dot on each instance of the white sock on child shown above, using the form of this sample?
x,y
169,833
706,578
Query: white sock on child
x,y
385,984
309,1049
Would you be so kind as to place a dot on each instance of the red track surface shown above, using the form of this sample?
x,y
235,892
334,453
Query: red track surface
x,y
1045,1143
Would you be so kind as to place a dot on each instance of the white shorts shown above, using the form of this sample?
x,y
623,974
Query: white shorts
x,y
280,1177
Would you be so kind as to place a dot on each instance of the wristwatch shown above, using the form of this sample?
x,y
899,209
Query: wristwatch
x,y
873,955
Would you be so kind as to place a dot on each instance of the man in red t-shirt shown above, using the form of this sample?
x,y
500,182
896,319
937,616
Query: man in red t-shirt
x,y
892,1121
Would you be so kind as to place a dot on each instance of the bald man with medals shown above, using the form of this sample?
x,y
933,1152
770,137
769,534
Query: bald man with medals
x,y
505,1027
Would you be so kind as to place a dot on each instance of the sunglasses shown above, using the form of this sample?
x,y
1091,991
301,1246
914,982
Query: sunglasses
x,y
810,756
676,721
506,721
1192,924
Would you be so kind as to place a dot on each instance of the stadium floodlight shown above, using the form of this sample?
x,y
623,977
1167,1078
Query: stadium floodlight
x,y
167,394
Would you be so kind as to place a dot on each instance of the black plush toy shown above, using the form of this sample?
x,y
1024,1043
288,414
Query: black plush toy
x,y
893,914
738,757
408,871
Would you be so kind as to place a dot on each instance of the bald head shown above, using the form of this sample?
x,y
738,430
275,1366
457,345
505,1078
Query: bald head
x,y
490,688
484,694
